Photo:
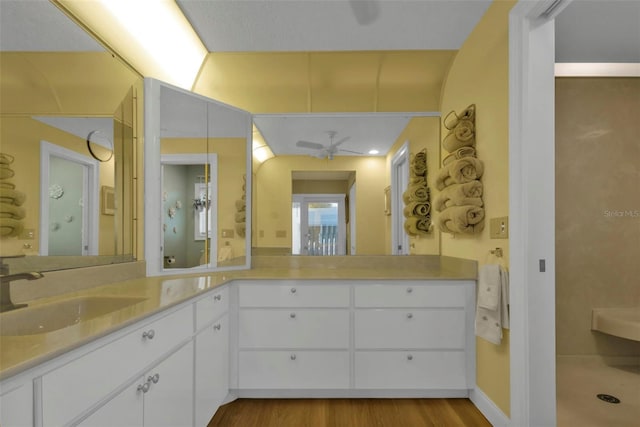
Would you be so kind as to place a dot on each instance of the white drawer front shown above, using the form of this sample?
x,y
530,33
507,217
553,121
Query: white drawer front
x,y
410,295
410,328
72,388
293,369
294,295
410,370
209,308
294,328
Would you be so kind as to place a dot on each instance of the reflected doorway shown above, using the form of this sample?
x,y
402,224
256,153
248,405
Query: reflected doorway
x,y
69,188
318,224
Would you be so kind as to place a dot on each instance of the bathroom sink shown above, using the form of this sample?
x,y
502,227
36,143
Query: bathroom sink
x,y
58,315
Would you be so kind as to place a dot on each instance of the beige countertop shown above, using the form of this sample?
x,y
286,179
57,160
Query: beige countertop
x,y
21,352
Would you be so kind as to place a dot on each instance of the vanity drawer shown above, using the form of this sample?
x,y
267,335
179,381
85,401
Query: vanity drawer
x,y
410,295
293,295
293,369
410,370
74,387
410,328
211,307
294,328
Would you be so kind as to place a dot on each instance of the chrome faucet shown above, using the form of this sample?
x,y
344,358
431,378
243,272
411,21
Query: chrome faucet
x,y
5,286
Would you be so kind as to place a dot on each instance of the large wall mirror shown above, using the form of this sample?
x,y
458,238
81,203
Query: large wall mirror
x,y
67,130
197,192
309,200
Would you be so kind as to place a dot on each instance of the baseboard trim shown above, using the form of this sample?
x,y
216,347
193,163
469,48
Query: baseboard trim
x,y
491,412
347,393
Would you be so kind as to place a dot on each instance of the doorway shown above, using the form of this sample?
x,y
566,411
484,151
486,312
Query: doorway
x,y
318,224
69,188
399,183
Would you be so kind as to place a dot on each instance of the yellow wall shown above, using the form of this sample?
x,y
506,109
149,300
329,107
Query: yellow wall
x,y
479,75
422,133
273,199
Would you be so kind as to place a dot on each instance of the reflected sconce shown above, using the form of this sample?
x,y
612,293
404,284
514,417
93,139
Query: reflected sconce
x,y
201,203
261,151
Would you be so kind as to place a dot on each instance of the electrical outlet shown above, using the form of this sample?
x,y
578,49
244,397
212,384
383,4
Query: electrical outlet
x,y
27,234
499,228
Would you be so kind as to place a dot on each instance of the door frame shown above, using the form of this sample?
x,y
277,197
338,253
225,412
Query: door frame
x,y
90,198
398,239
532,211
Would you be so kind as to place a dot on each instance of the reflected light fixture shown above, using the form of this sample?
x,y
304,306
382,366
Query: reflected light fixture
x,y
374,152
153,36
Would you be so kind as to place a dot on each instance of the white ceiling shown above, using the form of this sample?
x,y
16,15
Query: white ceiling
x,y
336,25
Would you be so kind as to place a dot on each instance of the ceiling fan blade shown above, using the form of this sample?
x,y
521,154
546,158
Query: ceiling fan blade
x,y
307,144
341,141
349,151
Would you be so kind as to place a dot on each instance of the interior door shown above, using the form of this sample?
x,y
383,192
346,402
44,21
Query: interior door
x,y
321,222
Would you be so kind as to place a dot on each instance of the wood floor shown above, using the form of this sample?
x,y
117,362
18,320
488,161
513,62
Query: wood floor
x,y
348,413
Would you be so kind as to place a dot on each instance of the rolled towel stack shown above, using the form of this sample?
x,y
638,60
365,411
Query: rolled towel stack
x,y
241,214
11,211
460,202
417,197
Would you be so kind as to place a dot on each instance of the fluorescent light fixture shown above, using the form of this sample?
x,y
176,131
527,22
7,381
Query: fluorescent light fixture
x,y
152,35
374,152
593,69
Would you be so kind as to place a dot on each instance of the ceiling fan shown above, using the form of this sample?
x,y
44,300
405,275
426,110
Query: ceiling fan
x,y
327,151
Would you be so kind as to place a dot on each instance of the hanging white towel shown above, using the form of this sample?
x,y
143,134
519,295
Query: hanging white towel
x,y
492,310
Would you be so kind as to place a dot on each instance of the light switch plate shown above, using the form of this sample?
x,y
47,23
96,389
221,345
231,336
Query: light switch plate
x,y
499,227
281,233
227,233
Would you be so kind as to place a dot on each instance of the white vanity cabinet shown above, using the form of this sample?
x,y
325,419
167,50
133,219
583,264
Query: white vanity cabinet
x,y
415,336
293,335
163,396
16,402
211,355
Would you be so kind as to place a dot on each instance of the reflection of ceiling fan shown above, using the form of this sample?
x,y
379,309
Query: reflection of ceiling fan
x,y
330,150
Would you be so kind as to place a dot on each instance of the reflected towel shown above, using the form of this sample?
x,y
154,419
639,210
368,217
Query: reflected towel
x,y
417,209
489,322
10,227
468,193
415,193
415,226
460,171
451,120
463,135
6,172
241,229
241,216
225,253
241,205
462,219
8,210
9,195
458,154
418,167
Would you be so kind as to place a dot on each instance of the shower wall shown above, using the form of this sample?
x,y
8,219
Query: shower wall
x,y
597,209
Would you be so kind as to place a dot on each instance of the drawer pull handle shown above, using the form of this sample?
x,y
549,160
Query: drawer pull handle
x,y
149,334
154,379
217,327
144,387
409,357
409,315
293,290
293,357
292,315
217,297
409,290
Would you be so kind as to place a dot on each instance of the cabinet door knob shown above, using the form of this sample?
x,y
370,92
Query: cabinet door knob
x,y
409,290
409,357
144,387
217,327
292,315
409,315
217,297
149,334
293,290
154,379
293,357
